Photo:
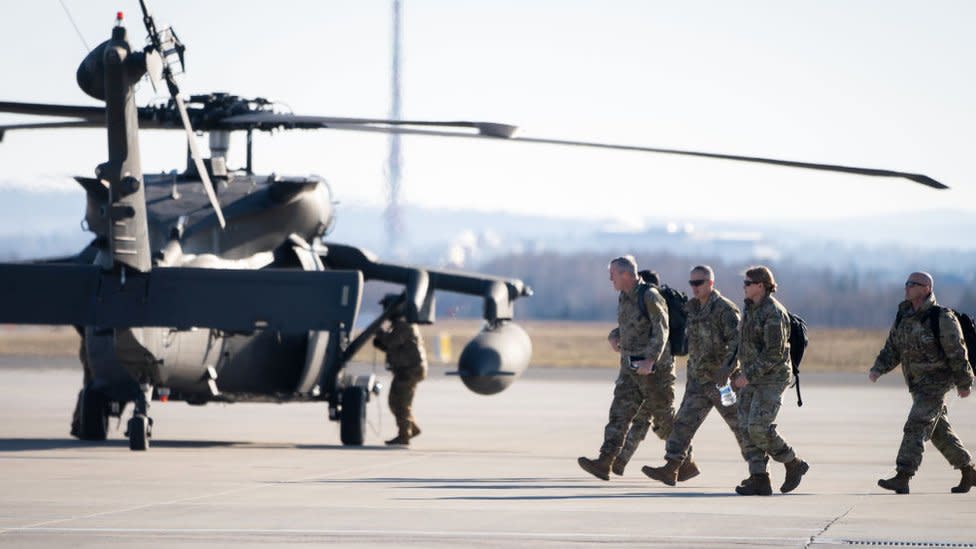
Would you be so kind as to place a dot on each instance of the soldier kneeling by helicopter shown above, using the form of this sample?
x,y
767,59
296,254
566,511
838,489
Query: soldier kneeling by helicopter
x,y
406,358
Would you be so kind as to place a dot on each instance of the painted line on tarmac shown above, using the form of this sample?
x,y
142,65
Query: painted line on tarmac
x,y
402,534
218,494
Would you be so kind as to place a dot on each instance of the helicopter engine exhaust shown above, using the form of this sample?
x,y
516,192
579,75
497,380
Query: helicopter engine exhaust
x,y
496,356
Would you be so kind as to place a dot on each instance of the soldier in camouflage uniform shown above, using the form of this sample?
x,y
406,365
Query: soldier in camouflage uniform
x,y
713,332
931,368
643,421
406,358
646,375
764,355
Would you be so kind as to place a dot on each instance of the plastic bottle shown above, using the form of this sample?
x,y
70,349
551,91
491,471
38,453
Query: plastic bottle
x,y
728,395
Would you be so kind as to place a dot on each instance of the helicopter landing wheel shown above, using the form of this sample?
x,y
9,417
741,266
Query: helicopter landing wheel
x,y
352,422
94,415
139,430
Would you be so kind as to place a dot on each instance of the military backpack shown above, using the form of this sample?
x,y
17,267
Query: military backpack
x,y
965,322
677,316
798,344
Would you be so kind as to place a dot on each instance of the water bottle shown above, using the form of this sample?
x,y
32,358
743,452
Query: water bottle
x,y
727,394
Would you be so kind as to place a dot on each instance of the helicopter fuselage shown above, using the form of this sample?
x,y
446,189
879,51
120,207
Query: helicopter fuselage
x,y
270,220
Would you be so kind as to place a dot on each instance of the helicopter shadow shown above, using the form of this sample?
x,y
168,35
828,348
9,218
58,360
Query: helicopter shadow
x,y
11,445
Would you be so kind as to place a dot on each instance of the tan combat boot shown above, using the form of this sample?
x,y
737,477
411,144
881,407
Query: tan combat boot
x,y
968,480
403,438
688,470
897,483
618,466
600,467
756,485
668,474
794,472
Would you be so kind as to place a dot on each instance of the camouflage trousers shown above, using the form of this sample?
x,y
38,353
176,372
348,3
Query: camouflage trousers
x,y
927,421
402,390
758,407
639,403
699,399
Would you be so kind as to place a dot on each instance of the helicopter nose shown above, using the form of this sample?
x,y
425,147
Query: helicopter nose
x,y
492,360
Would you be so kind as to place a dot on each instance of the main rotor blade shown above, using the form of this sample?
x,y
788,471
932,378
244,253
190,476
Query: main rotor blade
x,y
91,114
271,120
191,139
50,125
917,178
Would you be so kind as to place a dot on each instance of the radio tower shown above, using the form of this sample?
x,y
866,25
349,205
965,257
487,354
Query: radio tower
x,y
393,214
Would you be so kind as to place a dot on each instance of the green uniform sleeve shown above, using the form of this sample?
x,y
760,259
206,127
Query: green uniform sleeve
x,y
381,340
775,328
950,334
614,333
730,335
658,314
889,357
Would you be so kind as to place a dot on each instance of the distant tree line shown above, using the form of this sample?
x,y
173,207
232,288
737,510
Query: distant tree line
x,y
576,287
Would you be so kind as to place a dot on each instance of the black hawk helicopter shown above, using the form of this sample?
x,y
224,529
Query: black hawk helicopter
x,y
217,284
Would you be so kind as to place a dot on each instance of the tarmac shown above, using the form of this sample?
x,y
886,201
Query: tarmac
x,y
486,472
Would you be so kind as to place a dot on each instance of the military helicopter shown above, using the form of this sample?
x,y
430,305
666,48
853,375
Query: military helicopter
x,y
216,285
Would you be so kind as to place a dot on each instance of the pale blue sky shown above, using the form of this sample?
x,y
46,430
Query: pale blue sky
x,y
881,84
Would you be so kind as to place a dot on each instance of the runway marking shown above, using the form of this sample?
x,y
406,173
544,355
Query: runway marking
x,y
400,534
347,470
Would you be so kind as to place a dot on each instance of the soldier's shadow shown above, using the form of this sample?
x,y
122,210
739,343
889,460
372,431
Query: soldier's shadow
x,y
591,496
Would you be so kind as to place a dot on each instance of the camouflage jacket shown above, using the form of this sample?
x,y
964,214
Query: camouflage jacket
x,y
638,335
764,343
403,346
713,331
925,362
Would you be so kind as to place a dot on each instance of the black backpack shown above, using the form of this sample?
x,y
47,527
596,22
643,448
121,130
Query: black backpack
x,y
798,344
968,331
677,316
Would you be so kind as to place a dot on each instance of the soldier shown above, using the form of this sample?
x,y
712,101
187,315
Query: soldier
x,y
764,354
643,420
713,330
406,358
933,363
646,375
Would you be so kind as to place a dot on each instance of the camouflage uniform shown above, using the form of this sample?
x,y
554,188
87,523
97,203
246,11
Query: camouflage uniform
x,y
713,330
931,368
406,358
764,354
653,394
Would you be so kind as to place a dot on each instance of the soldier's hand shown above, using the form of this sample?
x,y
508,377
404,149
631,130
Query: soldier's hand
x,y
644,367
963,393
614,344
740,381
873,376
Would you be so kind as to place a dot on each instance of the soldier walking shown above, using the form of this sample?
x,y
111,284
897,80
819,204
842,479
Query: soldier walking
x,y
643,421
764,356
646,375
406,358
927,341
713,332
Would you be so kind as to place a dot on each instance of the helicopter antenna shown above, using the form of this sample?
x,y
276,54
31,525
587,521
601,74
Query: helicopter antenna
x,y
75,25
393,214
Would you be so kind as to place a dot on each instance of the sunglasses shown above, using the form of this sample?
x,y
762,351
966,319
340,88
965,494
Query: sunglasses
x,y
696,283
748,283
912,284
